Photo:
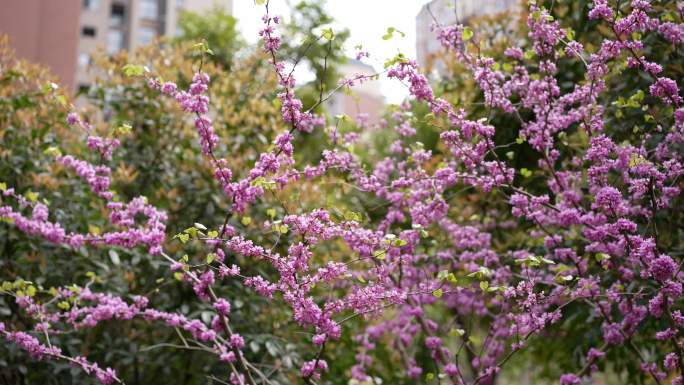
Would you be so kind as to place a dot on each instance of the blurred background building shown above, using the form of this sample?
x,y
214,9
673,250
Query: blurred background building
x,y
365,98
447,12
62,34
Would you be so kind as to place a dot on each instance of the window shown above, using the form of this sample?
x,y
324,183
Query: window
x,y
83,88
118,12
91,4
88,31
500,6
149,9
180,4
83,59
146,34
115,40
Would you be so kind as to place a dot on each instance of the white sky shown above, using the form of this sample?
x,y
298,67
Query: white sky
x,y
367,21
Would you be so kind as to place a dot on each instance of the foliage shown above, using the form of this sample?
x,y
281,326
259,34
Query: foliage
x,y
309,38
216,28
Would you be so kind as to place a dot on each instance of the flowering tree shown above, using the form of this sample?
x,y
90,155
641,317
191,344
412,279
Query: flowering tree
x,y
454,297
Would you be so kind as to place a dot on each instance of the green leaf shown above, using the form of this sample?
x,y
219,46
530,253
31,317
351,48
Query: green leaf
x,y
390,33
399,242
351,216
213,234
203,47
484,285
211,257
343,117
32,196
399,58
3,186
183,237
520,140
529,54
570,33
446,275
667,17
124,129
525,172
94,230
438,293
636,160
246,220
271,212
133,70
481,273
49,87
191,231
178,276
529,261
389,238
62,100
328,34
467,34
52,151
456,332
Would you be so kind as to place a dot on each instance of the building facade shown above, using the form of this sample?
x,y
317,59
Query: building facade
x,y
62,34
448,12
365,98
45,32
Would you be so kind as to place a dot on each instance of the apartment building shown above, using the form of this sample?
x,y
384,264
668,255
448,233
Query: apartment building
x,y
62,34
447,12
365,98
